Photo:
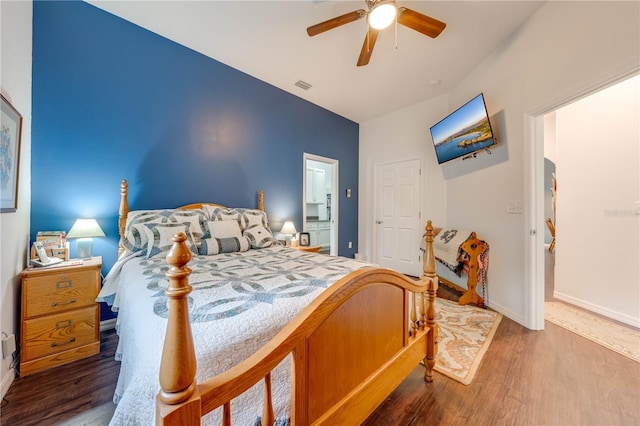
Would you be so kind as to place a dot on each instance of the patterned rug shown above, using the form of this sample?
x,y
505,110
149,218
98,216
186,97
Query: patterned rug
x,y
624,340
465,335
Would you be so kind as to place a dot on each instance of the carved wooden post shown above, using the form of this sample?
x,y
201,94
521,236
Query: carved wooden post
x,y
122,214
178,365
429,266
414,315
260,200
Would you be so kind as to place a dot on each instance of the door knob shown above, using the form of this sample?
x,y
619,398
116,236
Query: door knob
x,y
378,222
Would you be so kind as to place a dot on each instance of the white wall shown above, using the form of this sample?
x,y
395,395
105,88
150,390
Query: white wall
x,y
15,85
399,136
555,56
598,227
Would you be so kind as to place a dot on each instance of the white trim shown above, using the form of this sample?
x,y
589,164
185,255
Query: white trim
x,y
609,313
335,167
534,223
7,381
109,324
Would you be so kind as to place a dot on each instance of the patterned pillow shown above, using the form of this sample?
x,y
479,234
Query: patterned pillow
x,y
211,246
259,236
221,213
252,217
244,217
136,239
161,235
222,229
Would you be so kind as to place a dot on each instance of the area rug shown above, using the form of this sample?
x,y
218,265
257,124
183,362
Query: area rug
x,y
623,340
464,337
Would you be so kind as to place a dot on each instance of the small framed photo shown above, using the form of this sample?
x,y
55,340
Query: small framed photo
x,y
10,132
304,239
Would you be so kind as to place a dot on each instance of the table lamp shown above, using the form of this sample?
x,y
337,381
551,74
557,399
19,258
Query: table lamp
x,y
85,230
288,230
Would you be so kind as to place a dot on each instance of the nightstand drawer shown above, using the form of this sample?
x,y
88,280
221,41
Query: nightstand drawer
x,y
56,293
53,333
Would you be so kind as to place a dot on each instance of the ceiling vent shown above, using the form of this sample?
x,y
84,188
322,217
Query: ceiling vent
x,y
303,85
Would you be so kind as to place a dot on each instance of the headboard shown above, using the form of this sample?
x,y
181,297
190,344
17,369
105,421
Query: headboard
x,y
123,211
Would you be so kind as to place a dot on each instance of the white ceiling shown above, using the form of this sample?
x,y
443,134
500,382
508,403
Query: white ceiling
x,y
268,40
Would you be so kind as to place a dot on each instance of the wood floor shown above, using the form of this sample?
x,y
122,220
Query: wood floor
x,y
550,377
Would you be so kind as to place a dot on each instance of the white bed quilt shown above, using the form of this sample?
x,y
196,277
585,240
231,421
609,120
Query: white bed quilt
x,y
238,303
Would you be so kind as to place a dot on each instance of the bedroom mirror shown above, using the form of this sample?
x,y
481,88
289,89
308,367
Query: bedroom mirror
x,y
319,207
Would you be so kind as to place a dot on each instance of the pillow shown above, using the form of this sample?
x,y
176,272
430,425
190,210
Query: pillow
x,y
161,234
221,213
252,217
211,246
244,217
136,239
222,229
259,236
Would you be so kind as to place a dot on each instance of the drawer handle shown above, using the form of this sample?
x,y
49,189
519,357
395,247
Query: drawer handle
x,y
54,304
54,344
64,284
62,324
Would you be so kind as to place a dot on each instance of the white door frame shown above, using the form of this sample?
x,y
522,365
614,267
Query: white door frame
x,y
534,195
334,196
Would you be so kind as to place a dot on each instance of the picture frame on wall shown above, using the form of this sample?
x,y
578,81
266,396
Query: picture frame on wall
x,y
10,137
305,239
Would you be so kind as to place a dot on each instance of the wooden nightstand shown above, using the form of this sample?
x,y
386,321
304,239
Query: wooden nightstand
x,y
60,316
314,249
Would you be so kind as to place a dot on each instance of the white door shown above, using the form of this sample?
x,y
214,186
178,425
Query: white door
x,y
397,220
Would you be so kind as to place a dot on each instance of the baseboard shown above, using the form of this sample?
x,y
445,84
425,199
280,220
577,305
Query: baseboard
x,y
609,313
7,380
506,312
109,324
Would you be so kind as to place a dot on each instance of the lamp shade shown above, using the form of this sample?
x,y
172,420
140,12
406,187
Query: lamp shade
x,y
84,230
288,228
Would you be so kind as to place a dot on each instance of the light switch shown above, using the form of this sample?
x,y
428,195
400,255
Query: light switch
x,y
348,192
514,207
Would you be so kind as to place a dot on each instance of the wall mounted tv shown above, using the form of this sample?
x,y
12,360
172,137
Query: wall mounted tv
x,y
463,132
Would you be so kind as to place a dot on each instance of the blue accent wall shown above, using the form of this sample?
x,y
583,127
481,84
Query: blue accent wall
x,y
114,101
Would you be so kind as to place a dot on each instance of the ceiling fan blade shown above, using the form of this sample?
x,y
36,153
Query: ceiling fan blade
x,y
367,46
336,22
422,23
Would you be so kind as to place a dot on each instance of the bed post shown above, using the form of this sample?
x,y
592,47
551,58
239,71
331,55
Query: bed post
x,y
178,402
260,200
122,214
429,272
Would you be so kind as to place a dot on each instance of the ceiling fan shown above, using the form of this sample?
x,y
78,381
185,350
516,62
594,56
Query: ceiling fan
x,y
380,14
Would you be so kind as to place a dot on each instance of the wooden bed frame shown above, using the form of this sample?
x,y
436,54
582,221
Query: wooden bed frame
x,y
352,346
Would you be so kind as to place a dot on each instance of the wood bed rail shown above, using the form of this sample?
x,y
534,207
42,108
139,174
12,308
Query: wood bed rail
x,y
328,329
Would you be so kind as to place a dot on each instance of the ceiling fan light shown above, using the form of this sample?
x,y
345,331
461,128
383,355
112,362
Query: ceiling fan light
x,y
382,15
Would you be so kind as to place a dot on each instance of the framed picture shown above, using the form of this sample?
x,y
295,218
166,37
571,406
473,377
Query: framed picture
x,y
10,133
304,239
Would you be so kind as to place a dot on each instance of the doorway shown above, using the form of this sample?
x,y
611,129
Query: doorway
x,y
583,218
320,202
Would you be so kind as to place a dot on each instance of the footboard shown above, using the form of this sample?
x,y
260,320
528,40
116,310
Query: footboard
x,y
351,347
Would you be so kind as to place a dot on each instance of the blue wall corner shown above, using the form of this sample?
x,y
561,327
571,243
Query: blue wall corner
x,y
114,101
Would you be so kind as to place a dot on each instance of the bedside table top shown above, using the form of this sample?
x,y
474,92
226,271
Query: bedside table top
x,y
95,261
314,249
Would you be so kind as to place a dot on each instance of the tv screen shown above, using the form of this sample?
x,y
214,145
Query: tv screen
x,y
463,132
